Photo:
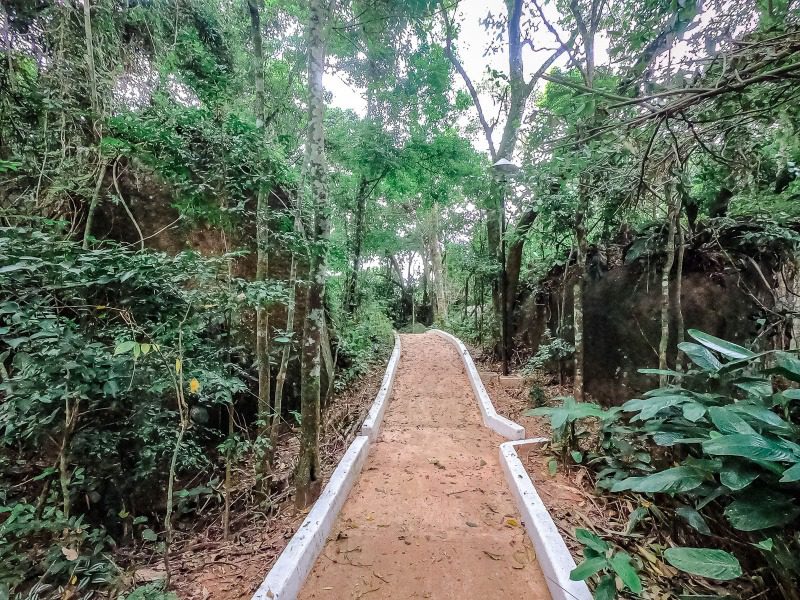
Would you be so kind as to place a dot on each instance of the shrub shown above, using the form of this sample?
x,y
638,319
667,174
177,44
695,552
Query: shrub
x,y
719,447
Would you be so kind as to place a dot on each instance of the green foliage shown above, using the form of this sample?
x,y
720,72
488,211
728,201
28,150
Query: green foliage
x,y
365,342
94,334
565,418
552,351
720,447
606,565
704,562
151,591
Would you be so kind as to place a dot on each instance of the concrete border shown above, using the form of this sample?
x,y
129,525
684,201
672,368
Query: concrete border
x,y
503,426
288,575
372,423
553,555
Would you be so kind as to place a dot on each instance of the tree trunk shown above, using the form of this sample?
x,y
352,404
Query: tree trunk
x,y
308,477
678,291
585,183
437,266
514,258
280,380
70,421
672,215
262,263
351,293
794,316
90,67
95,201
87,30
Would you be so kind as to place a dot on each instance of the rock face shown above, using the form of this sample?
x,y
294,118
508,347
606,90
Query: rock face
x,y
723,293
151,204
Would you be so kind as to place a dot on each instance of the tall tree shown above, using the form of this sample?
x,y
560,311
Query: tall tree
x,y
513,105
308,477
587,24
262,257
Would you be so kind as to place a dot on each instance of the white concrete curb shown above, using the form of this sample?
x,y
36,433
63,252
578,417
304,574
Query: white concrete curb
x,y
503,426
553,555
372,423
288,575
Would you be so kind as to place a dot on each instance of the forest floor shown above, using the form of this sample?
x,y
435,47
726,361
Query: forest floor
x,y
431,515
206,567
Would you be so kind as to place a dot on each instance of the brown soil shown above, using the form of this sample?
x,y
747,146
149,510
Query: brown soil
x,y
431,515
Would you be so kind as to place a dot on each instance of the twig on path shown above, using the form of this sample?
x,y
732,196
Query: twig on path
x,y
462,491
381,577
364,593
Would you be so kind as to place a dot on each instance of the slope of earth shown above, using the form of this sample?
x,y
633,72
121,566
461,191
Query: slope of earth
x,y
431,515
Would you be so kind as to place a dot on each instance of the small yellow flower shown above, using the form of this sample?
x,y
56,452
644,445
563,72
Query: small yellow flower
x,y
194,385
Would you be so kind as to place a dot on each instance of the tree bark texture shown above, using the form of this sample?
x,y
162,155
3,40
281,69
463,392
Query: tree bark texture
x,y
308,478
672,217
262,258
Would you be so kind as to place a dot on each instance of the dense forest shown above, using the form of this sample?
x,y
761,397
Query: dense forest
x,y
213,215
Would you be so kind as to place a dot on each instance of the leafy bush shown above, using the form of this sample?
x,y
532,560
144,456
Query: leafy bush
x,y
719,448
364,341
88,413
551,352
607,564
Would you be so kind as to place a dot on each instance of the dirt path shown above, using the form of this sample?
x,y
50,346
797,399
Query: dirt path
x,y
431,515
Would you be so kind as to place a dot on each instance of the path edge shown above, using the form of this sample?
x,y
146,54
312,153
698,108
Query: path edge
x,y
372,423
289,573
553,555
505,427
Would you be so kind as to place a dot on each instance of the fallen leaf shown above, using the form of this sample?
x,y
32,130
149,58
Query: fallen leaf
x,y
492,555
147,575
512,522
471,524
70,553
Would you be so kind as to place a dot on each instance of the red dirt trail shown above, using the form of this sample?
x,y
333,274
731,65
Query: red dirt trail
x,y
431,515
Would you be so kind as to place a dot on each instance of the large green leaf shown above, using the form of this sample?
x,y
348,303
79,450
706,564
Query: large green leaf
x,y
606,589
737,475
754,512
694,518
650,407
750,446
725,348
788,365
693,411
728,421
759,388
791,474
669,481
704,562
621,563
588,568
667,372
761,413
701,356
590,540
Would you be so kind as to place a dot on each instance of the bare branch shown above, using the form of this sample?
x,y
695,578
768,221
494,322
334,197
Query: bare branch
x,y
488,130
